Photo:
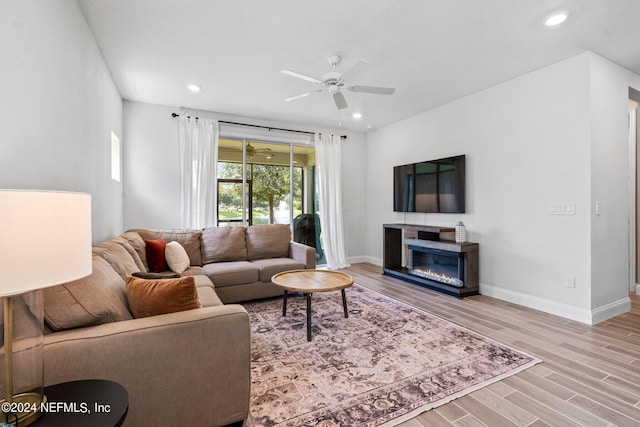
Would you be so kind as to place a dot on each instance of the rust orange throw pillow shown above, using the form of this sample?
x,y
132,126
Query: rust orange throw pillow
x,y
153,297
155,255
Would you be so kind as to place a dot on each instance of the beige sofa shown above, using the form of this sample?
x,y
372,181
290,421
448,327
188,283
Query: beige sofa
x,y
184,368
240,261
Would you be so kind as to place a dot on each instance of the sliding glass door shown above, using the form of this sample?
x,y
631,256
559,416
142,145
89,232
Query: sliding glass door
x,y
234,191
269,183
269,168
306,222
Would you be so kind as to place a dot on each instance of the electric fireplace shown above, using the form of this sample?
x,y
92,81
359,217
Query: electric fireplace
x,y
438,265
429,256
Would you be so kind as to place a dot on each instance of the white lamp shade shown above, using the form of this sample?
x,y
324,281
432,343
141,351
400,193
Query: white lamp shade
x,y
45,239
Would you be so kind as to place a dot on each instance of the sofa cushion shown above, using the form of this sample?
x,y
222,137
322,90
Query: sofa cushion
x,y
270,266
93,300
176,256
220,244
208,297
268,241
202,281
188,238
231,273
206,291
153,297
137,244
116,254
155,255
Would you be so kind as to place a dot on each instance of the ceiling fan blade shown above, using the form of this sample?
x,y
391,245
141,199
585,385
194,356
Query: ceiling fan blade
x,y
294,97
338,98
373,89
300,76
356,69
302,95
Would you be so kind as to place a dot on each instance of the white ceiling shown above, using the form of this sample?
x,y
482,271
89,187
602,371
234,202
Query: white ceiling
x,y
431,51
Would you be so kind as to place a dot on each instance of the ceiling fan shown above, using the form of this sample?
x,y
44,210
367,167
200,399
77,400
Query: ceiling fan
x,y
253,151
334,82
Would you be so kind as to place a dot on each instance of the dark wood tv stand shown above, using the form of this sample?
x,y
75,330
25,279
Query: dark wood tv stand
x,y
437,239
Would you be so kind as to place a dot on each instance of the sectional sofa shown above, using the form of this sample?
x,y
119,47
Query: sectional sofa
x,y
189,365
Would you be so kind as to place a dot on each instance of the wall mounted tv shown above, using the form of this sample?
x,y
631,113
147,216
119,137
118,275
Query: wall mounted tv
x,y
435,186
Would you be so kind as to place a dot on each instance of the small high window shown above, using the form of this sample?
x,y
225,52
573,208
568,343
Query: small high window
x,y
115,157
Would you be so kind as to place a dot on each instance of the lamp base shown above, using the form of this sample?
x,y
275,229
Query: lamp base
x,y
30,405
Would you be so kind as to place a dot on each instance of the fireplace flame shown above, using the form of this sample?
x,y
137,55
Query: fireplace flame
x,y
438,277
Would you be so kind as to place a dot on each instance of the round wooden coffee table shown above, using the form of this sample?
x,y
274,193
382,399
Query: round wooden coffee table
x,y
310,281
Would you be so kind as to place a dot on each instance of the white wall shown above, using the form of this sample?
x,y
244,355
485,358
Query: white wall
x,y
151,169
610,180
354,194
152,172
59,106
527,143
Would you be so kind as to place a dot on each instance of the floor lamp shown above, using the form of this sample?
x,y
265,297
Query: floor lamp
x,y
45,240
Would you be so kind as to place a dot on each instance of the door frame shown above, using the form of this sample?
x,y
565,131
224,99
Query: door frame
x,y
633,117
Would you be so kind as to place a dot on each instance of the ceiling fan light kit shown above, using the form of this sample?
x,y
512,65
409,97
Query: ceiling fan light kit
x,y
333,82
338,98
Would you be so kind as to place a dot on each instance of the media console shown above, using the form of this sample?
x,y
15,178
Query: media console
x,y
429,256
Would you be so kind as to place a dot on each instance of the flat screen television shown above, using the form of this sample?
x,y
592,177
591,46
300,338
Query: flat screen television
x,y
434,186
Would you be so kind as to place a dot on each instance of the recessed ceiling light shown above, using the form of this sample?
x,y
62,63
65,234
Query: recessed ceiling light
x,y
193,88
556,18
357,115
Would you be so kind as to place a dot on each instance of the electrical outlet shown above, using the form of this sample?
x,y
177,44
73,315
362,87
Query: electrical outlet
x,y
570,281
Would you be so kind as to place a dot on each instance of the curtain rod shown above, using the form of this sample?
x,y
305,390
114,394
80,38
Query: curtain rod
x,y
270,128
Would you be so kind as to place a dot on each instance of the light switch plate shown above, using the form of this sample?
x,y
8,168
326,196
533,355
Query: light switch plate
x,y
562,208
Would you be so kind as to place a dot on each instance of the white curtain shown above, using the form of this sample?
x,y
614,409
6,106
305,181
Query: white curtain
x,y
328,159
198,159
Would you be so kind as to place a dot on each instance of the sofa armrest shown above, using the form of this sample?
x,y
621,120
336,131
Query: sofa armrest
x,y
187,368
303,253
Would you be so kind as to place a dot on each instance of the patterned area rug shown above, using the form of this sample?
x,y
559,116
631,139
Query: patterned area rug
x,y
384,364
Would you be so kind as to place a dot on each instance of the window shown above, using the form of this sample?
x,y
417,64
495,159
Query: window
x,y
268,183
115,157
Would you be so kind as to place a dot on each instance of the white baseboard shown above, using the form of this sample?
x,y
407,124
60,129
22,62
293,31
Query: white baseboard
x,y
364,258
590,317
608,311
537,303
637,288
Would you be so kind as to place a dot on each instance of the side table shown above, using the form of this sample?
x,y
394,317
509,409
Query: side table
x,y
95,403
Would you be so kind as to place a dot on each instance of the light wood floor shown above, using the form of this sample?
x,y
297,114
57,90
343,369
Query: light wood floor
x,y
590,375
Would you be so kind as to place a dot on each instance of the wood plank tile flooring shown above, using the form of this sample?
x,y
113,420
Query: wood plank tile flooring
x,y
590,375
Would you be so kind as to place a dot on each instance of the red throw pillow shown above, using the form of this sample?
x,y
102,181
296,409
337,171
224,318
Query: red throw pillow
x,y
155,255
